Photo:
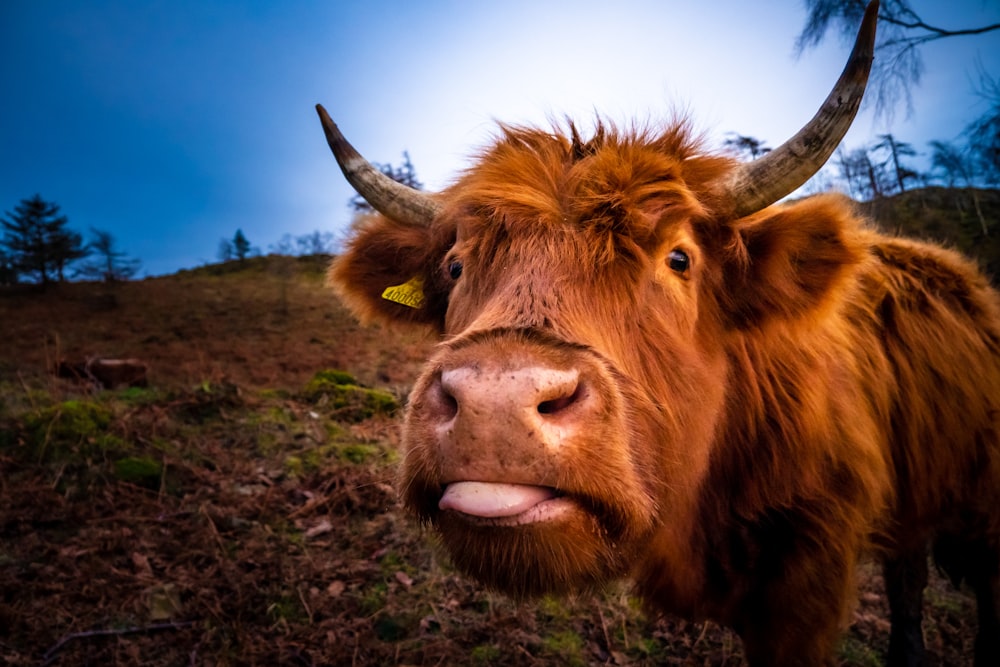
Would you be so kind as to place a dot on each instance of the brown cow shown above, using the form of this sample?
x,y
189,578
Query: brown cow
x,y
649,370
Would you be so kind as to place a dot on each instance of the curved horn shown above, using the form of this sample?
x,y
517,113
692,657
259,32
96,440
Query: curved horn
x,y
388,197
758,184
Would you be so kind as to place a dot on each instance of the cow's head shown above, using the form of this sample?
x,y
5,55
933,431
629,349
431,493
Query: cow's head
x,y
586,292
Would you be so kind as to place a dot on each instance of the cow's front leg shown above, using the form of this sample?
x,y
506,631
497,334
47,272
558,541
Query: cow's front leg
x,y
905,579
798,616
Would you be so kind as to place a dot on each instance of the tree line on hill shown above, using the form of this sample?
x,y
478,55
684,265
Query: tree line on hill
x,y
314,243
37,246
882,167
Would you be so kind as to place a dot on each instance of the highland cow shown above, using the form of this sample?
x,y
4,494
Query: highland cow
x,y
649,369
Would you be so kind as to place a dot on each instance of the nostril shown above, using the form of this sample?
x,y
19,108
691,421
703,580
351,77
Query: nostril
x,y
449,404
560,403
442,404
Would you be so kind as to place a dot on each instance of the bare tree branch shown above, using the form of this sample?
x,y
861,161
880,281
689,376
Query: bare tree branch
x,y
918,23
898,63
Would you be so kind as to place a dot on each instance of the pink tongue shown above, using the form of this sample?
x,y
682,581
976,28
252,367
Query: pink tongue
x,y
487,499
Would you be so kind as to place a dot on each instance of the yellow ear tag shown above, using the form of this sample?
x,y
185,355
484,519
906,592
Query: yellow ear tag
x,y
410,293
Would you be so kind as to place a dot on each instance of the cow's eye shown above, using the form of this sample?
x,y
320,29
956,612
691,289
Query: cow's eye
x,y
679,260
455,269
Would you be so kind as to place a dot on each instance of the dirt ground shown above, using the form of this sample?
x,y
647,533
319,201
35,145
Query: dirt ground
x,y
239,511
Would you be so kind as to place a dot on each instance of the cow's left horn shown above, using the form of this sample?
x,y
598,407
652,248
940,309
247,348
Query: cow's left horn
x,y
388,197
760,183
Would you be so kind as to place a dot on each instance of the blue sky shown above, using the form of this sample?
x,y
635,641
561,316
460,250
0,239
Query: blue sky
x,y
172,124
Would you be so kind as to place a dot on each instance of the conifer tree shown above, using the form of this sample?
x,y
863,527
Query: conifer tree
x,y
241,247
37,242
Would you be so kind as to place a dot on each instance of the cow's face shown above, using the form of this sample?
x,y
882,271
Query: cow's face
x,y
585,295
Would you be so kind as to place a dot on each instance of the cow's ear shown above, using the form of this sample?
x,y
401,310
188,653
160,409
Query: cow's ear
x,y
791,261
388,272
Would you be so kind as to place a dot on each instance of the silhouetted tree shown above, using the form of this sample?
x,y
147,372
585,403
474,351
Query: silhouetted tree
x,y
950,163
67,247
225,252
404,174
316,243
241,247
107,263
901,32
284,246
864,178
892,164
743,145
38,244
956,167
983,134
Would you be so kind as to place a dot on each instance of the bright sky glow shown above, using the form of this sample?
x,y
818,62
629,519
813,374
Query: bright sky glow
x,y
173,123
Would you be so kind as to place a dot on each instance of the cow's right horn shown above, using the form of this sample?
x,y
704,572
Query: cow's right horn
x,y
758,184
390,198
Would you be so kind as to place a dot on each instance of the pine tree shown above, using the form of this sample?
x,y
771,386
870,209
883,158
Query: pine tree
x,y
37,242
241,247
67,247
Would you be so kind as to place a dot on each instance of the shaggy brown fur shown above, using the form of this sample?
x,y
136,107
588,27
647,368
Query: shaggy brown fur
x,y
803,392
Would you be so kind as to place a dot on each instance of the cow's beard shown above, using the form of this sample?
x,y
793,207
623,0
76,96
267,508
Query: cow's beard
x,y
572,553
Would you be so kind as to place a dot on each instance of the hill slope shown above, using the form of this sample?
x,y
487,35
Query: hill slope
x,y
270,322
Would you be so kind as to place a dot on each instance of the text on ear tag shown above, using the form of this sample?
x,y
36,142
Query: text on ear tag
x,y
410,293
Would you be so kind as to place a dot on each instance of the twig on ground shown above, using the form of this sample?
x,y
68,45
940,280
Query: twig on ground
x,y
50,654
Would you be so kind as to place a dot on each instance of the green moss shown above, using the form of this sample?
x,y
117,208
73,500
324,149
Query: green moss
x,y
138,396
331,377
485,654
273,393
568,645
335,431
554,608
340,394
392,456
139,470
358,453
294,466
853,651
310,460
315,457
70,429
373,597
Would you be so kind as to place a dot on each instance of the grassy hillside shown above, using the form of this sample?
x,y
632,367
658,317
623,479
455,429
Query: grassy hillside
x,y
240,509
267,322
